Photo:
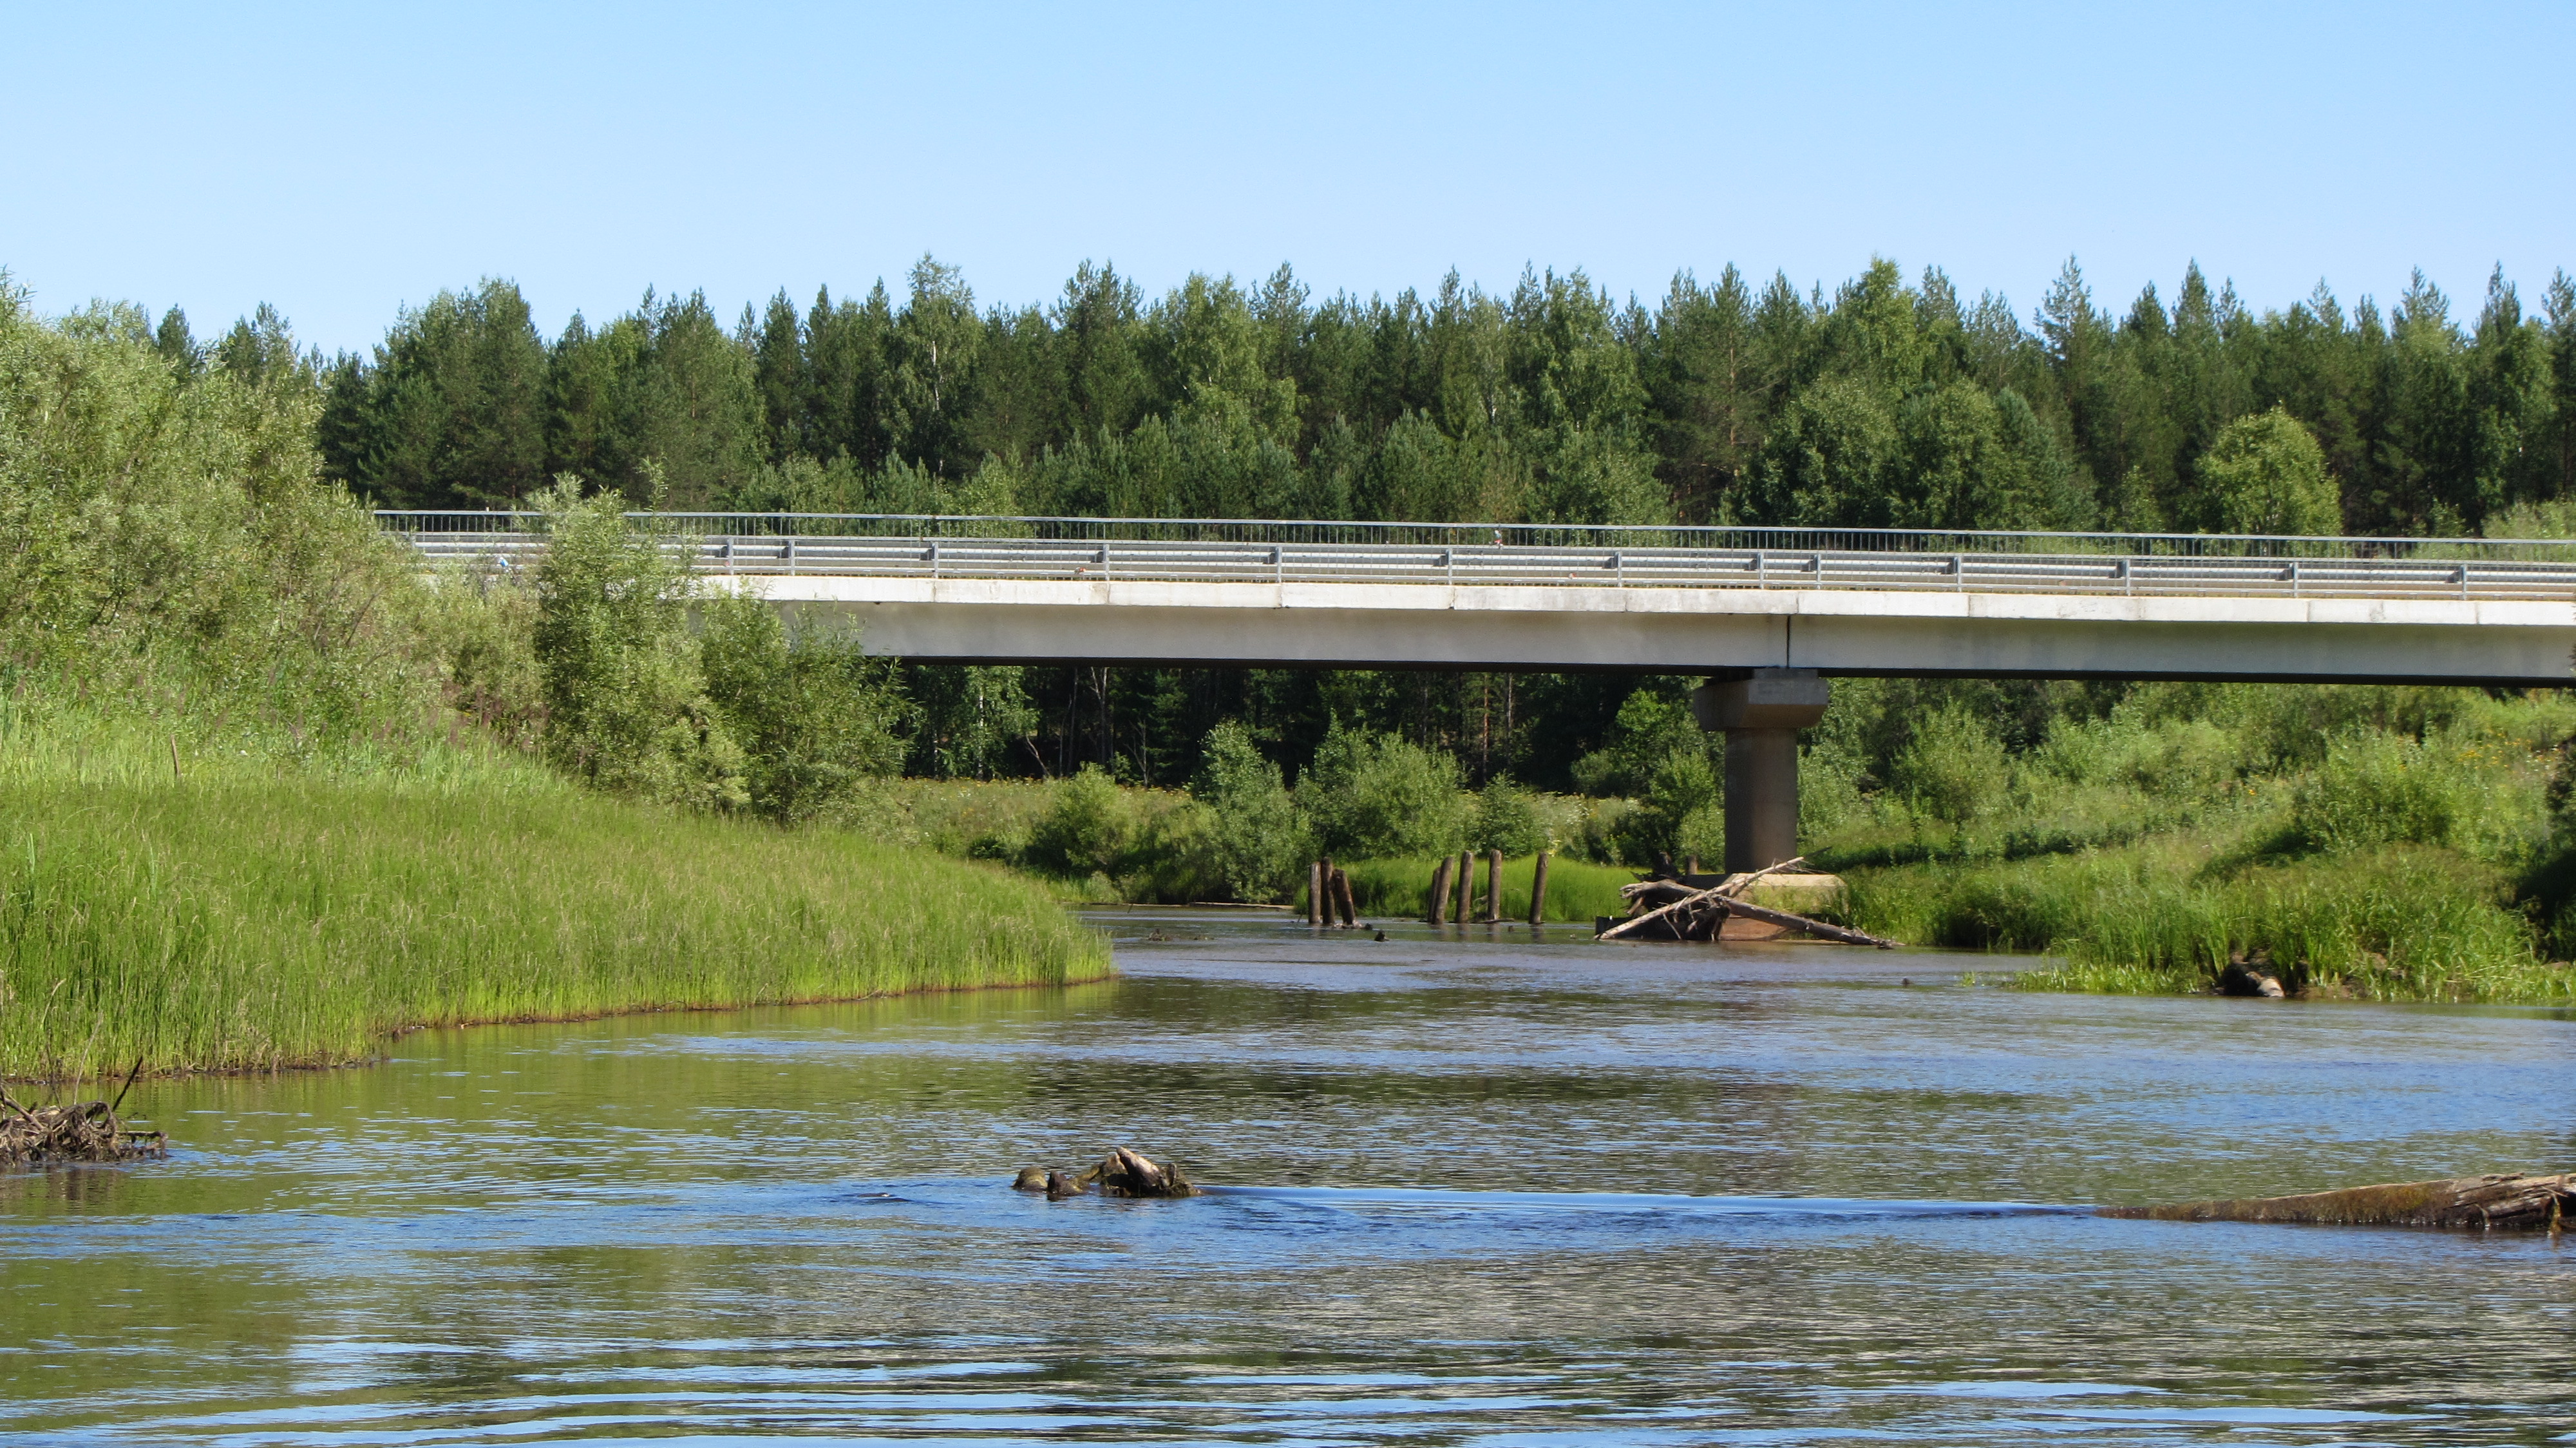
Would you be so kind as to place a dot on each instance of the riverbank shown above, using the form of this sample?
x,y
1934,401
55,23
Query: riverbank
x,y
2425,855
202,912
2407,923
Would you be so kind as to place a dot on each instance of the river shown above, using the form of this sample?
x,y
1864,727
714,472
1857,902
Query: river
x,y
1485,1191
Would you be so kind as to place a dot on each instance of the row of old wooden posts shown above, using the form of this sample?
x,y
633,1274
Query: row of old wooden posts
x,y
1328,892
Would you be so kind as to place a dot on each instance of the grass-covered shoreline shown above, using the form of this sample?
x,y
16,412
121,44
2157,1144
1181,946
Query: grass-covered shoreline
x,y
249,915
2406,923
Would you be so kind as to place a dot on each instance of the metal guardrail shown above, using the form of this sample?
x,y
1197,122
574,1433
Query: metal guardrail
x,y
1528,555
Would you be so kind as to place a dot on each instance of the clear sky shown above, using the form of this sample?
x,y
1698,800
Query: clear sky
x,y
344,160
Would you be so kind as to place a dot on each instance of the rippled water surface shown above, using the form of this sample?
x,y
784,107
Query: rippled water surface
x,y
1477,1191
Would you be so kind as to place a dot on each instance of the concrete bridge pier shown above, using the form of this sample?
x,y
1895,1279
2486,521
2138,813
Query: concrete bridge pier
x,y
1761,715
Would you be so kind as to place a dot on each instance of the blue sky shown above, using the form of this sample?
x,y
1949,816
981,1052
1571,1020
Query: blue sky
x,y
342,161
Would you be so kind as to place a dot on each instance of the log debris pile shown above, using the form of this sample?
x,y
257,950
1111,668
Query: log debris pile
x,y
1681,909
1122,1173
2509,1201
78,1131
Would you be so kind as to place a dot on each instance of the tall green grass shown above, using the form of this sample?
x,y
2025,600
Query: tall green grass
x,y
248,915
1576,890
2395,923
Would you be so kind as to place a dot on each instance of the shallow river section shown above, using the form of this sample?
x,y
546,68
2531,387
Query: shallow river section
x,y
1479,1189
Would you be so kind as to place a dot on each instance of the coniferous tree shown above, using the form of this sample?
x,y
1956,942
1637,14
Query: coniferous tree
x,y
777,346
845,371
1696,362
172,340
456,402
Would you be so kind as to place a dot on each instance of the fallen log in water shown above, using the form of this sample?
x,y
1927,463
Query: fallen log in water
x,y
2512,1200
1680,912
1818,928
1122,1173
80,1131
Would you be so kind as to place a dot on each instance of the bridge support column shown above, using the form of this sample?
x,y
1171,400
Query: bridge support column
x,y
1761,716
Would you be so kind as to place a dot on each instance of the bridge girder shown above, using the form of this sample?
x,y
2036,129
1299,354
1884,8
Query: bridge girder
x,y
2514,643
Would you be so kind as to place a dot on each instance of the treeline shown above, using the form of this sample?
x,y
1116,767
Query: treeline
x,y
1883,404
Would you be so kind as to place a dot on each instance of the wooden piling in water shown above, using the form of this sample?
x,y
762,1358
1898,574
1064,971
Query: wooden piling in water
x,y
1493,887
1315,893
1342,899
1538,889
1466,886
1439,912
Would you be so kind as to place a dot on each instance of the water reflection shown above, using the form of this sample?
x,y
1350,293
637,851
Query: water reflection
x,y
1485,1190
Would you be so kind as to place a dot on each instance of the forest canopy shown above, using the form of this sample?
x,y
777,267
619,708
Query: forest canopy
x,y
1883,403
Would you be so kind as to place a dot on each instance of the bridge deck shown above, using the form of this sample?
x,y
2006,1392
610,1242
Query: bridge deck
x,y
2360,610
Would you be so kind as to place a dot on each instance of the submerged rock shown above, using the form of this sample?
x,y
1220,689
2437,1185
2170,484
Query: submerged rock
x,y
1124,1173
2510,1200
2242,977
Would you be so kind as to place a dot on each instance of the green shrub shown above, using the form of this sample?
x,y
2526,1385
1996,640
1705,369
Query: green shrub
x,y
1086,827
1954,769
813,716
192,563
1829,788
1376,794
1259,842
626,706
1653,721
2376,789
1683,810
2170,757
1507,818
1175,855
2264,473
1599,830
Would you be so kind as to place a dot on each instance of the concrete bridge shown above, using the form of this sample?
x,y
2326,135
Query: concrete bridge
x,y
1767,614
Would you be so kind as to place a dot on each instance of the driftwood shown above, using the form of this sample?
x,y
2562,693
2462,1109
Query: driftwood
x,y
1840,933
1686,900
80,1131
1688,914
1122,1173
2514,1200
1665,911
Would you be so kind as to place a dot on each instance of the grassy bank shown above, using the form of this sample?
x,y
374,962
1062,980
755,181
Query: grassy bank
x,y
2403,923
2423,852
251,915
